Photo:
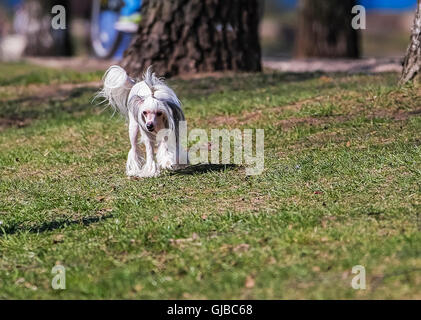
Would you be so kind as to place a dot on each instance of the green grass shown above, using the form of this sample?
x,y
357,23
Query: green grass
x,y
25,74
341,187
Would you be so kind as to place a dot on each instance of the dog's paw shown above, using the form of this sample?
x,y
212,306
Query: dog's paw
x,y
133,173
149,170
133,164
167,165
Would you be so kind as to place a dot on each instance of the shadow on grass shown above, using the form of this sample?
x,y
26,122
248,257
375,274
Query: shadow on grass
x,y
204,168
53,103
51,225
235,82
22,111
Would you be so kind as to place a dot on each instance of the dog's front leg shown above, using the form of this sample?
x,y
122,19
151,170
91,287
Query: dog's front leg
x,y
134,160
170,154
165,156
150,169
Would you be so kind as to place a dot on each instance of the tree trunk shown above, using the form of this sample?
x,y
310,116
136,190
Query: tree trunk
x,y
186,36
33,20
412,62
325,30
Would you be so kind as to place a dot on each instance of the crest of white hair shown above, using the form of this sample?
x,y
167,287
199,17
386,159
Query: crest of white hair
x,y
154,87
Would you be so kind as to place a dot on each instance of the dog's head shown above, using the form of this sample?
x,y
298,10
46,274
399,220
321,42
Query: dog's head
x,y
151,102
154,104
151,113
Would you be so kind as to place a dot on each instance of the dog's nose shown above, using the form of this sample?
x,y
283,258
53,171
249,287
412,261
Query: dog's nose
x,y
149,126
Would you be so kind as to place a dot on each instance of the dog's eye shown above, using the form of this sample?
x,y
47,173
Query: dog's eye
x,y
159,113
144,113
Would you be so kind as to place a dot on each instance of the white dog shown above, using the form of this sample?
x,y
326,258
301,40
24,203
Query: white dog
x,y
154,113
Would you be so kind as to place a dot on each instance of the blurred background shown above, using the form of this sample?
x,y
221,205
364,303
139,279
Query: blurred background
x,y
387,33
91,33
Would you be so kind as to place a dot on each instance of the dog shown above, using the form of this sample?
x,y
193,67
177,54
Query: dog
x,y
153,112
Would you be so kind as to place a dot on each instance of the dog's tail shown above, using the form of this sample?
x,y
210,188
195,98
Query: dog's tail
x,y
117,86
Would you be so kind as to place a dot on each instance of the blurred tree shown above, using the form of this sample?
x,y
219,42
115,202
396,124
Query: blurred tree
x,y
412,62
33,20
185,36
325,30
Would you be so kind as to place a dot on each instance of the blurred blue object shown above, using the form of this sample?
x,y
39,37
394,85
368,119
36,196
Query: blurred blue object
x,y
389,4
11,3
124,44
130,7
401,5
106,40
288,3
108,35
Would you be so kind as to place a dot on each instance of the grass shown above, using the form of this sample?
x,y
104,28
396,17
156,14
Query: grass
x,y
341,187
25,74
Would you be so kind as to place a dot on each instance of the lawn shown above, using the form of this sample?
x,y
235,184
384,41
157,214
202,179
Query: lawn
x,y
341,187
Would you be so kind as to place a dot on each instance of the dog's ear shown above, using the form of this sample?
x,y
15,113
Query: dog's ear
x,y
177,116
134,103
117,86
177,112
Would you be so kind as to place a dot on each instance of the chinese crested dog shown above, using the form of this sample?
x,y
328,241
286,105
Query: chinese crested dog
x,y
153,112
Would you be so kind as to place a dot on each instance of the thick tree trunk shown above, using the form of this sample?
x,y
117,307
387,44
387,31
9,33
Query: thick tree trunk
x,y
33,20
412,62
186,36
325,30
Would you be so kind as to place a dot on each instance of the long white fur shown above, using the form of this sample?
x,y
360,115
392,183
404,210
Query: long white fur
x,y
131,99
117,86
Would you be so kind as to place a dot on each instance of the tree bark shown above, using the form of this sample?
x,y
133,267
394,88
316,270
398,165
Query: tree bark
x,y
187,36
325,30
412,61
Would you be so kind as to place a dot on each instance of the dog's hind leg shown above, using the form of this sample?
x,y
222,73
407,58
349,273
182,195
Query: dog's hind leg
x,y
134,160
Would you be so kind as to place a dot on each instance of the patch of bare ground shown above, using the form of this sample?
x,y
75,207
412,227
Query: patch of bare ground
x,y
14,122
201,75
289,123
349,104
40,94
244,118
297,106
81,64
371,65
252,202
388,106
397,115
50,91
248,117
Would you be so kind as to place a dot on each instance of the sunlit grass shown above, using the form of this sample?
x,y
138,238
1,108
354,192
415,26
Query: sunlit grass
x,y
341,187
